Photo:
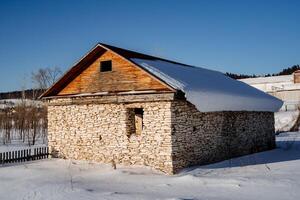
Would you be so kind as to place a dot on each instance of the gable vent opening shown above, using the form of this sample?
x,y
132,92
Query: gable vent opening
x,y
106,66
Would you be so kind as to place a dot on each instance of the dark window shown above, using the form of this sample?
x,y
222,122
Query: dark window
x,y
106,66
139,111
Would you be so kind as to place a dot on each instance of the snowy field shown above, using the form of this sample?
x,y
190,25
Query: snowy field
x,y
18,144
268,175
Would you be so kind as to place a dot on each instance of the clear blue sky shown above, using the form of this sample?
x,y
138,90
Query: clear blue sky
x,y
235,36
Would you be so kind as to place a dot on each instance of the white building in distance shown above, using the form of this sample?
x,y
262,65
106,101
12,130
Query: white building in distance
x,y
284,87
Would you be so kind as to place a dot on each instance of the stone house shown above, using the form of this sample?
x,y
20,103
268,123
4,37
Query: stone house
x,y
117,105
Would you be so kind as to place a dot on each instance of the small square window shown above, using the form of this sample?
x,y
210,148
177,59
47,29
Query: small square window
x,y
106,66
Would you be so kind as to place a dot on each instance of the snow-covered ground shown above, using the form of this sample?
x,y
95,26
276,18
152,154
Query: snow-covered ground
x,y
268,175
16,145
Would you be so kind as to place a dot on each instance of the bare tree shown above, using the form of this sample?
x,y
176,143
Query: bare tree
x,y
45,77
8,125
44,123
20,119
2,119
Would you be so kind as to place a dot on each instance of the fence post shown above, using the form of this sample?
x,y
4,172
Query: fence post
x,y
19,155
12,156
6,157
43,153
30,158
37,153
24,155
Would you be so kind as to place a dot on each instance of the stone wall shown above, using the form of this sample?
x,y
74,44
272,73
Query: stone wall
x,y
101,132
201,138
175,134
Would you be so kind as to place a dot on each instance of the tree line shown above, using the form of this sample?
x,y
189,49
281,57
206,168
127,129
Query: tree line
x,y
286,71
29,94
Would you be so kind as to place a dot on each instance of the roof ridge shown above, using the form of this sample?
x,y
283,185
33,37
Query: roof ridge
x,y
123,51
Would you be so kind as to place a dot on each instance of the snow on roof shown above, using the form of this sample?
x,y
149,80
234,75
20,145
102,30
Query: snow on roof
x,y
210,90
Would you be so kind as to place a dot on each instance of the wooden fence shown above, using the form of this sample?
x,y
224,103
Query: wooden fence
x,y
24,155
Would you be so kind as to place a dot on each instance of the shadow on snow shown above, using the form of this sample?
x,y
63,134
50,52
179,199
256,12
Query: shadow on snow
x,y
286,150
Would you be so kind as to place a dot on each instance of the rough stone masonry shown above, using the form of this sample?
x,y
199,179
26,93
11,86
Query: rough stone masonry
x,y
174,135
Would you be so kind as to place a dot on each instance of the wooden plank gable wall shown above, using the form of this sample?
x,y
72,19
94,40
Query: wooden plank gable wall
x,y
124,76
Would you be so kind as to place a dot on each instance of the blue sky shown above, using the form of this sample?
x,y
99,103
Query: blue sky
x,y
235,36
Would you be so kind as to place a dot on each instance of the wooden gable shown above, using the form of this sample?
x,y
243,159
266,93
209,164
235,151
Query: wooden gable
x,y
125,76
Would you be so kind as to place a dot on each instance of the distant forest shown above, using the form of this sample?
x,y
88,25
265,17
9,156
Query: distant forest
x,y
286,71
28,94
